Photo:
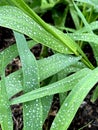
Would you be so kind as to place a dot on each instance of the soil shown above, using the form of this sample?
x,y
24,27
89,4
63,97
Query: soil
x,y
87,114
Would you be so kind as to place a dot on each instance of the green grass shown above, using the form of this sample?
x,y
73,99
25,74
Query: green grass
x,y
68,69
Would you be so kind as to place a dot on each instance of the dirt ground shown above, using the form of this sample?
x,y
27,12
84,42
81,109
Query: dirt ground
x,y
87,114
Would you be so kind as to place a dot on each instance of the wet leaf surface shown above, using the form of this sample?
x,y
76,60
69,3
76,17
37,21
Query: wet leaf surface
x,y
87,112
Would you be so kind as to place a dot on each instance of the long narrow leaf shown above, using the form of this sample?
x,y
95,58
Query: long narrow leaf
x,y
44,34
65,41
31,110
83,18
61,86
10,19
11,52
58,63
91,2
93,26
5,110
88,37
74,100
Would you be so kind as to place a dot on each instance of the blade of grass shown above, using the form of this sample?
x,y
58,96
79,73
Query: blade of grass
x,y
5,110
61,86
95,94
67,43
25,8
11,52
93,26
84,58
73,101
47,100
48,4
71,69
58,63
88,37
89,2
74,17
83,18
66,40
86,125
10,19
32,111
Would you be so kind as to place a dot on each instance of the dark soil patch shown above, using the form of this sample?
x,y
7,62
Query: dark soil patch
x,y
87,114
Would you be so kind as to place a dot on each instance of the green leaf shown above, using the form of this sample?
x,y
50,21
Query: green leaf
x,y
72,45
71,69
48,4
10,19
83,18
39,30
5,110
73,101
88,37
94,3
93,26
31,110
95,95
75,17
59,17
11,52
3,2
58,63
61,86
35,5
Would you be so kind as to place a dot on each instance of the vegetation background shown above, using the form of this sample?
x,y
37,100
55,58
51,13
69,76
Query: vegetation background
x,y
48,60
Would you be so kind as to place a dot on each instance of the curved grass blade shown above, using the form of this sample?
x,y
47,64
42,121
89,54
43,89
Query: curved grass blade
x,y
48,4
39,30
74,100
11,52
61,86
91,2
47,101
65,41
88,37
95,94
93,26
71,69
84,58
75,17
10,19
32,111
58,63
5,110
3,2
82,18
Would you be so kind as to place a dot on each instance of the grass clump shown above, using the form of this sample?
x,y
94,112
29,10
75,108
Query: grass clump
x,y
68,69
